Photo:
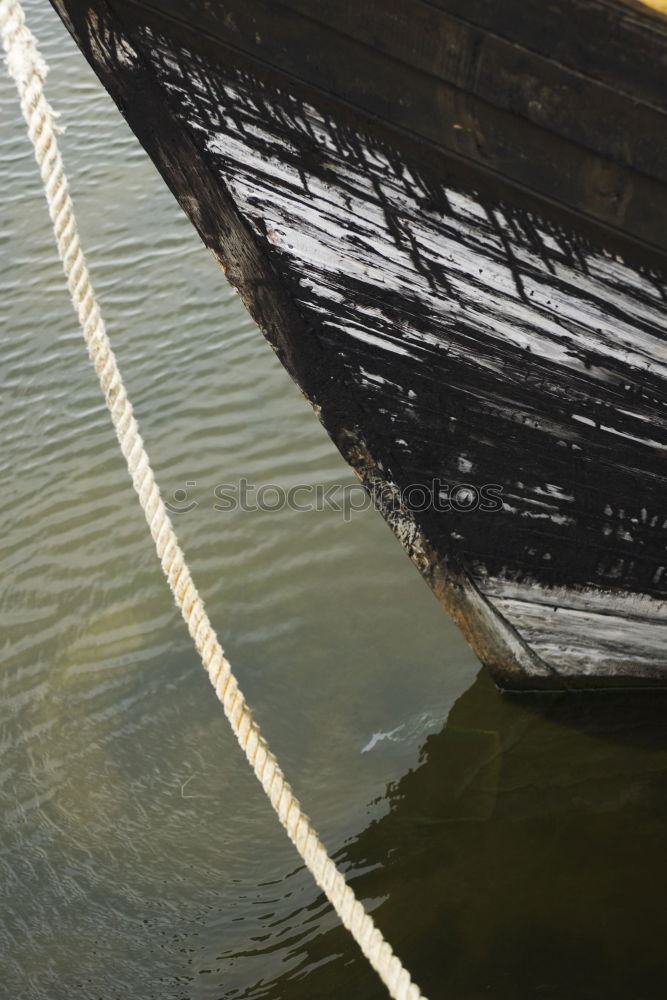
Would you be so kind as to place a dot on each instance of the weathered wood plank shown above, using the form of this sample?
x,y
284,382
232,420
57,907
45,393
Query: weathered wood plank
x,y
598,116
509,110
617,42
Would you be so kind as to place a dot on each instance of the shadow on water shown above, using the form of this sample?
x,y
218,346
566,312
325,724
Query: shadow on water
x,y
522,857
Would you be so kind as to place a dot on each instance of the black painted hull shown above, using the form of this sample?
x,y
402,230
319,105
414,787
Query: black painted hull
x,y
447,337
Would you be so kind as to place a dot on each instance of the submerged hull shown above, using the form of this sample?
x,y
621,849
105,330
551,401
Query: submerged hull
x,y
487,352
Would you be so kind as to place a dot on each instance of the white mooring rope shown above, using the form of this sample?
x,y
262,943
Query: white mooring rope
x,y
29,70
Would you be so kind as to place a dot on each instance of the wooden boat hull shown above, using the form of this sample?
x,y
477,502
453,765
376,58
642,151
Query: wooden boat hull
x,y
493,368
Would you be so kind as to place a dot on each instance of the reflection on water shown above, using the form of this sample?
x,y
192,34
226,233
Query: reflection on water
x,y
519,855
523,857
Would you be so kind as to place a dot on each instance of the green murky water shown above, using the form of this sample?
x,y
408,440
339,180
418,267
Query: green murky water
x,y
509,849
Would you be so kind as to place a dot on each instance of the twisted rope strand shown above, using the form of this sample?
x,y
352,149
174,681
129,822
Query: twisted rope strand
x,y
29,70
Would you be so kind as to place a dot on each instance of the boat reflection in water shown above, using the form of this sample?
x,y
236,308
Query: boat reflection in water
x,y
523,857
